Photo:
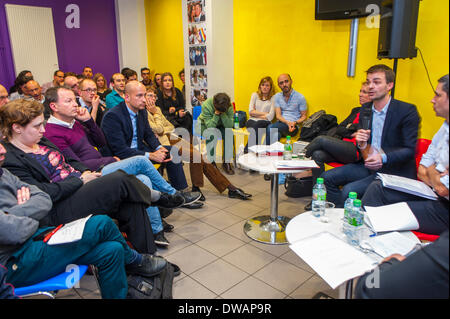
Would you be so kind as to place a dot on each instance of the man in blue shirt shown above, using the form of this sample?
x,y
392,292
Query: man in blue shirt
x,y
432,215
118,93
290,110
388,146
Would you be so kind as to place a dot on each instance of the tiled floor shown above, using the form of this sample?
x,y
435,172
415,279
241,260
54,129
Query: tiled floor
x,y
218,260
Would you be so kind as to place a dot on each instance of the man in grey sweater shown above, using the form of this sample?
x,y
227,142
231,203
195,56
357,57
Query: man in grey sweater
x,y
29,259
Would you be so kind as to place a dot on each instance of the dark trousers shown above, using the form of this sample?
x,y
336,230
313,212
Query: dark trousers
x,y
253,127
175,172
432,215
324,149
275,131
120,196
353,177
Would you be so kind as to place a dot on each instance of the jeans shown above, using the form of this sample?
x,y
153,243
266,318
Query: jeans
x,y
102,245
353,177
143,169
255,128
275,131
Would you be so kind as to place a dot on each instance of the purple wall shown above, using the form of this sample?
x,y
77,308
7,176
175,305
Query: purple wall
x,y
93,44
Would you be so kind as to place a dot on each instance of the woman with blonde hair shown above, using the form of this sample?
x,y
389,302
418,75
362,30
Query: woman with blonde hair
x,y
102,86
261,110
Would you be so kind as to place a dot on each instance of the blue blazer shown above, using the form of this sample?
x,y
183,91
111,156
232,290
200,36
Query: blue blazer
x,y
399,138
118,130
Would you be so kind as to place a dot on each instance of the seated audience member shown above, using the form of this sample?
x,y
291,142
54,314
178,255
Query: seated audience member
x,y
117,95
171,102
20,83
146,77
157,80
198,165
102,86
72,82
3,95
422,275
261,110
130,75
290,110
128,134
58,80
87,72
74,132
75,191
34,90
182,78
16,87
392,137
432,215
217,113
91,101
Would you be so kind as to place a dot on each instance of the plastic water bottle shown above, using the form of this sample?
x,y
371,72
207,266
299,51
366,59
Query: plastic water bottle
x,y
348,206
319,198
356,222
236,121
287,153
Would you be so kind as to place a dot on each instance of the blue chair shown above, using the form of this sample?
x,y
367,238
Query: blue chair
x,y
49,287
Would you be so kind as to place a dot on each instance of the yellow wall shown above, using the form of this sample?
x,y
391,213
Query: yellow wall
x,y
165,37
273,37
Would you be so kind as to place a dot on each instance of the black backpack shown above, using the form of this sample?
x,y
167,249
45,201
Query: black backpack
x,y
317,124
156,287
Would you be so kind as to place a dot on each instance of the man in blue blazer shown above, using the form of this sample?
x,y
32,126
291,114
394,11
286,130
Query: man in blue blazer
x,y
128,134
387,141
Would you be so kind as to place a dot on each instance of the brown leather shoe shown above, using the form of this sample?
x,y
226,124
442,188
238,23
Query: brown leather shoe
x,y
228,168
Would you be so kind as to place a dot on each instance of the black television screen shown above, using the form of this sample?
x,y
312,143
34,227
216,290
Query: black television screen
x,y
343,9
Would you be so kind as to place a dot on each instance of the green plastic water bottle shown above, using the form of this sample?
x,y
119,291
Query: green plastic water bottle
x,y
236,121
287,153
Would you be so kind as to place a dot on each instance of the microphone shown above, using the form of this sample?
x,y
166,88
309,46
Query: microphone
x,y
365,118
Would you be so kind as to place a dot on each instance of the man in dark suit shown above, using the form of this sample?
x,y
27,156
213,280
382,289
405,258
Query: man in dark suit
x,y
387,144
128,134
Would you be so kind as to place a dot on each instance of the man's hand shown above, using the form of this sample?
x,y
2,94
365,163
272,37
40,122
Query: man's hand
x,y
396,256
23,195
159,156
361,137
291,126
116,158
88,176
82,115
217,112
95,102
172,110
374,162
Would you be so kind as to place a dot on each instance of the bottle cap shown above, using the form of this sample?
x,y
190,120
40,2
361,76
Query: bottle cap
x,y
288,137
353,195
320,180
357,203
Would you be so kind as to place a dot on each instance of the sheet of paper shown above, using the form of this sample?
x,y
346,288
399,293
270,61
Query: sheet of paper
x,y
260,149
296,164
394,217
70,232
391,243
407,185
332,259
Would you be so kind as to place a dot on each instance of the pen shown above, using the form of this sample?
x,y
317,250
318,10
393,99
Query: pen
x,y
47,238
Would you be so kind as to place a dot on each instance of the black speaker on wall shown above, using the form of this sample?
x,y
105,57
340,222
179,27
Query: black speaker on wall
x,y
398,26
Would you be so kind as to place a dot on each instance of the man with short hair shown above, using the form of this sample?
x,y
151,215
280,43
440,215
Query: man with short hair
x,y
58,80
90,100
118,93
146,77
34,90
129,134
218,113
87,72
290,110
388,146
72,82
130,75
432,215
22,91
3,95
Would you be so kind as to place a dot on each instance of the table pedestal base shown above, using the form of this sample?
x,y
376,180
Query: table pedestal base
x,y
266,230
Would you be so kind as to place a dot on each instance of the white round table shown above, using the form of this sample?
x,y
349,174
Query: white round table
x,y
268,229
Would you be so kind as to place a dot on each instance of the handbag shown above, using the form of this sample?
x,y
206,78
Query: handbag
x,y
298,187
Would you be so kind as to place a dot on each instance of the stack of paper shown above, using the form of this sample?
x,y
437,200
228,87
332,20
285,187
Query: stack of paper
x,y
332,259
390,243
275,149
407,185
395,217
295,164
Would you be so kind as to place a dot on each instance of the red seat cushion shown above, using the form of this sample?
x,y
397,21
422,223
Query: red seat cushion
x,y
335,164
426,237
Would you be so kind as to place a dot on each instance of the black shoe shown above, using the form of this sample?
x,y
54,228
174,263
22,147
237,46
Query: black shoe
x,y
168,228
165,212
267,177
308,206
150,266
228,168
195,205
197,189
160,240
238,193
170,201
190,197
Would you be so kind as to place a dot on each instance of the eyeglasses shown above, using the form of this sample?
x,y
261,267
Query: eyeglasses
x,y
90,90
152,96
